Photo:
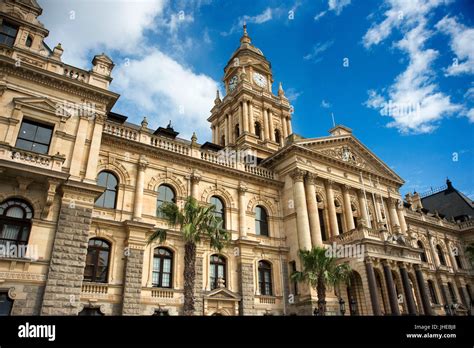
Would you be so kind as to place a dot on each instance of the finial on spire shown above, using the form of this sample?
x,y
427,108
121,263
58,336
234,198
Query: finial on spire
x,y
218,98
245,39
144,122
281,92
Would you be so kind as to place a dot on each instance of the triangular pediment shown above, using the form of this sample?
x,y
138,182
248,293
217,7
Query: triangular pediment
x,y
222,294
348,150
45,105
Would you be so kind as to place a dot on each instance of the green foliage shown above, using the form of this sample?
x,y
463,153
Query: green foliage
x,y
195,221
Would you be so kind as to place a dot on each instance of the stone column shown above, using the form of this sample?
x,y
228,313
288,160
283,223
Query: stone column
x,y
363,207
138,203
392,293
290,130
79,147
284,126
392,207
93,158
246,275
242,210
68,256
466,297
251,119
226,130
331,208
347,207
231,129
270,125
315,227
407,289
245,118
302,220
372,287
401,217
434,252
423,292
241,121
195,178
266,129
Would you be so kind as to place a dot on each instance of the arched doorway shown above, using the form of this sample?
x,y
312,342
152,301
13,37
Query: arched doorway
x,y
381,298
355,295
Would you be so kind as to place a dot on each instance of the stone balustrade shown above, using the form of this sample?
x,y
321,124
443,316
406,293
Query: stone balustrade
x,y
50,162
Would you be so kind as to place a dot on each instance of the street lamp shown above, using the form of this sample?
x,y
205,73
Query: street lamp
x,y
353,306
342,306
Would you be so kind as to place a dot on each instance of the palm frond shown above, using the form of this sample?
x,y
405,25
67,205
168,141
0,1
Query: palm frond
x,y
159,235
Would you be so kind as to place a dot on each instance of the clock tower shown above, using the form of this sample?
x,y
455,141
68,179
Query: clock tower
x,y
250,116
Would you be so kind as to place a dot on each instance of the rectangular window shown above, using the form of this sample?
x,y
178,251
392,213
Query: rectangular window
x,y
434,299
34,137
8,34
452,293
6,304
294,283
339,223
322,225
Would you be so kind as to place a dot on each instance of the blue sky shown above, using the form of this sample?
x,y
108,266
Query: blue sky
x,y
398,72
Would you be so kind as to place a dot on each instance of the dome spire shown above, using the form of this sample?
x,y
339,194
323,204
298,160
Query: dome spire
x,y
245,39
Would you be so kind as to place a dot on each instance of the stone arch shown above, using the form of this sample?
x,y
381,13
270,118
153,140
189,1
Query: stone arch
x,y
115,167
264,202
36,204
220,192
174,182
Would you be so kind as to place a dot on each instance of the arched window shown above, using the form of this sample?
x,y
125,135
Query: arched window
x,y
258,130
217,270
423,255
15,224
97,261
6,304
277,136
452,293
219,210
91,312
162,268
165,195
261,221
29,41
441,258
108,199
237,131
265,278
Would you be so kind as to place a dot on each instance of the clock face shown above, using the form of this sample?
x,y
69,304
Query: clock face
x,y
259,79
233,83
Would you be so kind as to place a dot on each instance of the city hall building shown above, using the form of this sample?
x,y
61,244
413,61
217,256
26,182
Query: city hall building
x,y
80,189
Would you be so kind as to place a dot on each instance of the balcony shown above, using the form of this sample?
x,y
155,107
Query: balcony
x,y
186,149
12,154
161,295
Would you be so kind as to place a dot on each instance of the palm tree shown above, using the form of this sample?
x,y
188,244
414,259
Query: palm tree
x,y
195,222
321,271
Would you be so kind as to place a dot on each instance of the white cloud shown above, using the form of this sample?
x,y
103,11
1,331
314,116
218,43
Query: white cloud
x,y
317,50
267,15
165,90
325,104
413,101
85,26
152,83
400,13
292,94
335,6
462,44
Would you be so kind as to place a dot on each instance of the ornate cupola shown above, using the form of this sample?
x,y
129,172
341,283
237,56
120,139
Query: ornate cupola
x,y
250,116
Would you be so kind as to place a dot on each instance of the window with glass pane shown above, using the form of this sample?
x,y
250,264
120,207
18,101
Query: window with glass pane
x,y
165,195
322,226
91,312
277,136
440,253
265,278
34,137
162,268
15,224
339,223
6,304
261,221
258,130
219,210
431,288
97,261
108,199
217,270
8,33
423,254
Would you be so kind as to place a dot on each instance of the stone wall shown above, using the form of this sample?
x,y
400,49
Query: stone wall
x,y
66,270
247,289
133,282
31,305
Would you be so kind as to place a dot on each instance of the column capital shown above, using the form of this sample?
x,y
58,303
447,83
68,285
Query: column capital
x,y
142,163
370,259
329,182
298,175
346,187
311,178
242,188
402,264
